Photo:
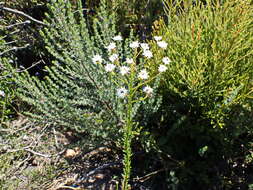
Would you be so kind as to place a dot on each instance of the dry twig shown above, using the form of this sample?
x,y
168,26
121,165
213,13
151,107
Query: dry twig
x,y
22,14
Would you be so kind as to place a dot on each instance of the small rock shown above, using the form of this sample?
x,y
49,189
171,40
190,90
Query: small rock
x,y
70,153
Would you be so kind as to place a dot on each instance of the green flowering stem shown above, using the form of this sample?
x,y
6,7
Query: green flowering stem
x,y
141,99
128,132
143,83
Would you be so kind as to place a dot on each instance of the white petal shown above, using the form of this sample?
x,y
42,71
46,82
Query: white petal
x,y
134,44
162,44
117,38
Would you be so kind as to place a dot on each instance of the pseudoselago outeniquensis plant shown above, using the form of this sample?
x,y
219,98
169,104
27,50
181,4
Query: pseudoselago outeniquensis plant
x,y
99,83
77,92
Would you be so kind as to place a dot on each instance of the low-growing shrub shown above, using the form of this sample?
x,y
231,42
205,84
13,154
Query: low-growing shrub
x,y
205,117
210,56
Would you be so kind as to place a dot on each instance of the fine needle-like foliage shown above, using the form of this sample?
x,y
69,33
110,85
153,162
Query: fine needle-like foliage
x,y
210,54
71,94
95,86
77,93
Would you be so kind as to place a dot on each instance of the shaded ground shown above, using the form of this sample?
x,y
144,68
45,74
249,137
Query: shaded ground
x,y
33,157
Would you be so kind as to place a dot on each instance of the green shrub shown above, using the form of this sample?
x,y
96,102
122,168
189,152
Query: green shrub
x,y
205,117
7,92
211,55
77,94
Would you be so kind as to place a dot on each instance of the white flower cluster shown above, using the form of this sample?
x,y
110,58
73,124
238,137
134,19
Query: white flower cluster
x,y
134,44
158,38
129,60
166,60
117,38
145,47
109,67
148,54
160,43
162,68
125,69
114,57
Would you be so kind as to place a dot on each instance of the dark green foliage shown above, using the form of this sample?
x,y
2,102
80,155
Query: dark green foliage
x,y
70,95
23,33
7,92
137,15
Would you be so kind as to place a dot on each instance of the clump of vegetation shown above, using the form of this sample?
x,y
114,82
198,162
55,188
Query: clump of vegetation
x,y
206,91
176,109
210,56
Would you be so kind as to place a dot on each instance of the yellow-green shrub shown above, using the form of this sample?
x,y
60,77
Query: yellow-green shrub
x,y
210,46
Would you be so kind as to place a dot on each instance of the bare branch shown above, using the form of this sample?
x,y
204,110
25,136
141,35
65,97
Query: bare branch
x,y
37,153
19,71
17,24
22,14
146,177
14,49
12,42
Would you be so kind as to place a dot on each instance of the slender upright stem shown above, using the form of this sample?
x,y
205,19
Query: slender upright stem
x,y
127,147
128,133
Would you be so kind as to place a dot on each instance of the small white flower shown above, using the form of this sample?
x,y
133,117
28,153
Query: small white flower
x,y
111,46
162,68
97,58
148,90
129,60
144,46
143,74
162,44
113,57
166,60
109,67
117,38
121,92
124,70
158,38
2,93
147,53
134,44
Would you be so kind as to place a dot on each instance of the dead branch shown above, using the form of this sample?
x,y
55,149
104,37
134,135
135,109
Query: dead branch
x,y
14,49
37,153
146,177
16,24
22,14
22,70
